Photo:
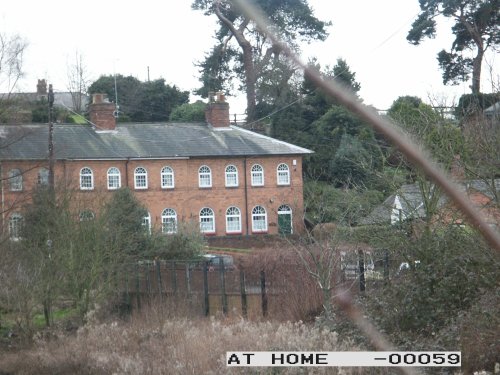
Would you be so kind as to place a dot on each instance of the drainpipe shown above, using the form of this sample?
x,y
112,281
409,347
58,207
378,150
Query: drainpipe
x,y
3,197
246,195
126,172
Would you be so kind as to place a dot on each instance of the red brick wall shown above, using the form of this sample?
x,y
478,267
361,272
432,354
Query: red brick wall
x,y
186,198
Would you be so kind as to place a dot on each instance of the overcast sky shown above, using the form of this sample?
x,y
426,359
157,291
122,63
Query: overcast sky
x,y
166,35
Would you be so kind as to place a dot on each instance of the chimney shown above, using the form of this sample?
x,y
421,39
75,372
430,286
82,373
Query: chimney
x,y
102,112
41,87
217,110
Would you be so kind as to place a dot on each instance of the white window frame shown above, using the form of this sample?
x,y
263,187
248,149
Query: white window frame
x,y
141,176
43,177
257,172
15,225
233,215
114,176
86,178
146,222
204,177
86,215
169,221
259,214
231,176
207,220
167,177
15,180
283,174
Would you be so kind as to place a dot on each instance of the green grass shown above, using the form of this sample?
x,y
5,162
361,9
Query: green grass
x,y
227,249
57,315
78,119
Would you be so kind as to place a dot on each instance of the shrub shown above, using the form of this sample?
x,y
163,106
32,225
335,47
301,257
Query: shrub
x,y
186,243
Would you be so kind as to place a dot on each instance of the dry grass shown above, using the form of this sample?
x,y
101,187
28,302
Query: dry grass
x,y
151,343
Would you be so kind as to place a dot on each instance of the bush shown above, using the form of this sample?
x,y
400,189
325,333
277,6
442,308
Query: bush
x,y
454,265
186,243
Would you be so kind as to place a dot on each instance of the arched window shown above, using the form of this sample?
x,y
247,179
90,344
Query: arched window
x,y
257,175
146,223
285,220
140,178
87,215
233,220
283,174
86,179
15,180
43,177
169,221
15,225
114,179
207,220
231,176
259,219
167,178
205,176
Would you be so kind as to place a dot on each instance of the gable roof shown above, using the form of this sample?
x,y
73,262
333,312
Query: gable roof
x,y
407,202
141,141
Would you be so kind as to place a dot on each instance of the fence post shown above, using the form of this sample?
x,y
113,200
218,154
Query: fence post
x,y
263,292
188,279
158,276
361,261
244,304
137,286
205,289
128,303
174,279
148,281
223,286
386,266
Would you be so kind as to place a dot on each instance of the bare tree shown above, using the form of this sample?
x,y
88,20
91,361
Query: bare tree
x,y
12,48
78,81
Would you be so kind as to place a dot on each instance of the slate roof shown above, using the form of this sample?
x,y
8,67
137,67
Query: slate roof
x,y
144,141
61,99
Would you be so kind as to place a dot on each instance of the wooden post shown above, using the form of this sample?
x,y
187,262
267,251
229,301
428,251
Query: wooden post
x,y
158,277
188,279
244,303
223,286
137,286
263,292
148,280
386,266
361,261
174,279
127,290
206,300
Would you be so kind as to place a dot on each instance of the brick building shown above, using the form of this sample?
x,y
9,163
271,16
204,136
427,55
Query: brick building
x,y
230,180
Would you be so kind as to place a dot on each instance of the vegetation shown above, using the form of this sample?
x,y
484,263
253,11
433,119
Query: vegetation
x,y
475,29
155,342
446,299
140,101
189,112
186,243
243,51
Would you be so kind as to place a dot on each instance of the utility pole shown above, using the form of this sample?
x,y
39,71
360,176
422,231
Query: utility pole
x,y
51,138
